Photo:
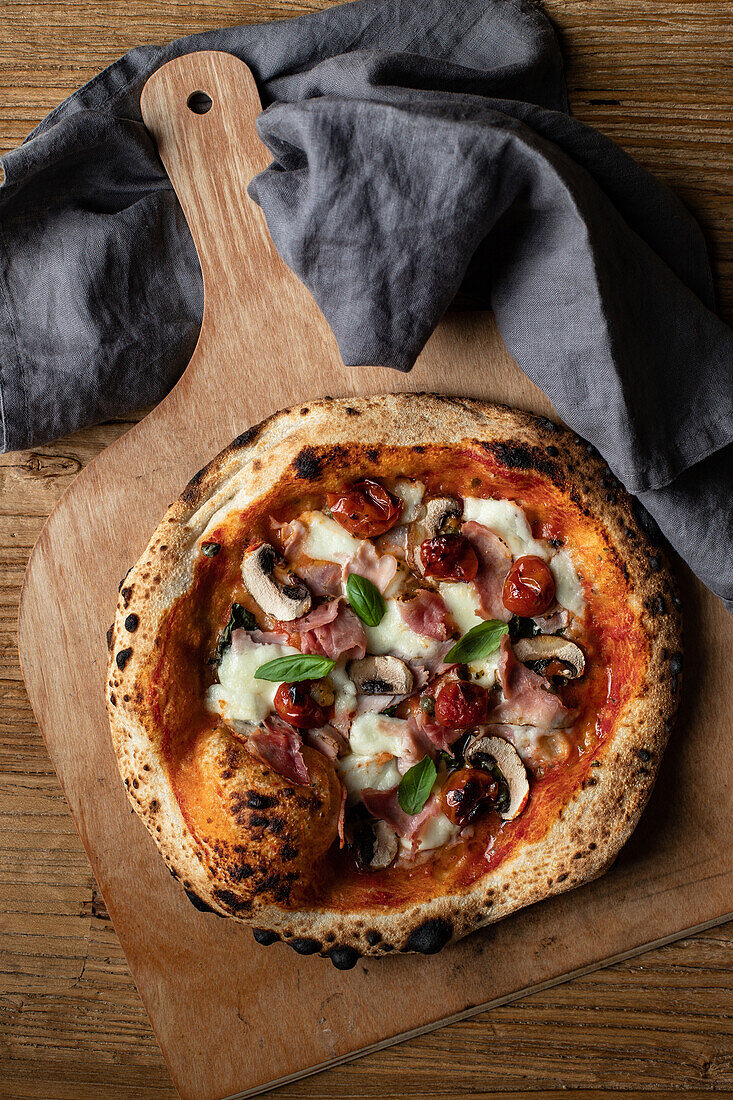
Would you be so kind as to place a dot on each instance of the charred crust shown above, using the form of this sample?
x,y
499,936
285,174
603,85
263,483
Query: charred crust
x,y
373,937
265,936
429,937
523,456
190,493
305,945
110,636
126,594
351,411
230,900
257,801
131,623
344,957
308,465
199,903
122,657
245,438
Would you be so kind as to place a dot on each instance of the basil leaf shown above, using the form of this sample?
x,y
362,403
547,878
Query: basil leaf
x,y
366,599
480,641
239,619
295,667
416,785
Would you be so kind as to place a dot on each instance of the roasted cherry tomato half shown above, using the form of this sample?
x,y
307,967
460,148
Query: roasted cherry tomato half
x,y
459,705
529,588
449,558
295,704
466,794
546,529
366,510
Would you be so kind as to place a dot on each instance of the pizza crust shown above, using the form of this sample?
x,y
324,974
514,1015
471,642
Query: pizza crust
x,y
600,817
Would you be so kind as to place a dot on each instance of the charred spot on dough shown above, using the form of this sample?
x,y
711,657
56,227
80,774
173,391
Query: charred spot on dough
x,y
646,521
154,805
307,464
429,937
256,464
131,623
343,957
126,594
231,900
547,424
123,656
199,903
246,437
242,872
257,801
110,632
521,456
265,936
373,937
127,574
190,493
305,945
351,411
304,411
289,852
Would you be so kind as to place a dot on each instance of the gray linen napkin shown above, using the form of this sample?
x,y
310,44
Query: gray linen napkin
x,y
419,150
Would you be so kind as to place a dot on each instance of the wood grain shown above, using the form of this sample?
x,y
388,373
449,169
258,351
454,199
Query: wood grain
x,y
656,77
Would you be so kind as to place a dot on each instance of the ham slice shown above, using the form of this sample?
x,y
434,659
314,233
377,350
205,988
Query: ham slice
x,y
322,577
394,542
495,561
332,630
439,736
268,637
380,570
328,740
385,806
426,613
527,700
289,536
277,744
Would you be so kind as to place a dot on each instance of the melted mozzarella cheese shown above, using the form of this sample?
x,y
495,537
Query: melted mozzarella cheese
x,y
239,696
372,734
327,540
485,671
463,603
438,830
411,494
568,588
344,702
357,772
392,635
507,520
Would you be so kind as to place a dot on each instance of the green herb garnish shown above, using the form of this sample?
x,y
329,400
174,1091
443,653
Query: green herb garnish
x,y
416,785
294,668
366,599
481,640
239,619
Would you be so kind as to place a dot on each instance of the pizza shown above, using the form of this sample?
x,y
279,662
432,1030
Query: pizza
x,y
391,668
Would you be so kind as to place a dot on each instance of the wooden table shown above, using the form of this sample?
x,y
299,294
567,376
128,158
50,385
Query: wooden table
x,y
658,78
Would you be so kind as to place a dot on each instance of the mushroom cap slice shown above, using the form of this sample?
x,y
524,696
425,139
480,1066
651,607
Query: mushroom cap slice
x,y
494,752
280,593
551,647
431,517
386,846
381,676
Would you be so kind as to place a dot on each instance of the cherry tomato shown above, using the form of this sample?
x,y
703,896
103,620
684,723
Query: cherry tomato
x,y
294,704
366,510
449,558
529,588
466,794
546,529
459,705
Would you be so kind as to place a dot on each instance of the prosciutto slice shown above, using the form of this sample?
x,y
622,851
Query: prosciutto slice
x,y
426,613
332,630
380,570
289,535
527,700
425,726
495,561
328,740
277,744
385,806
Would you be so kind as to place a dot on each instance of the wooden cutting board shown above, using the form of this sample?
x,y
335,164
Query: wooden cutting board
x,y
232,1017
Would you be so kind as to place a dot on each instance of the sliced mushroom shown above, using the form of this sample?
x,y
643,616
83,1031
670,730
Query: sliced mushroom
x,y
495,753
543,649
381,676
386,846
277,590
434,517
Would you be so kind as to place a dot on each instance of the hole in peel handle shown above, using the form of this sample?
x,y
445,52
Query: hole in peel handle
x,y
199,102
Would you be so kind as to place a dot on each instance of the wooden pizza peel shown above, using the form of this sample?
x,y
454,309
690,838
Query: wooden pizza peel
x,y
234,1018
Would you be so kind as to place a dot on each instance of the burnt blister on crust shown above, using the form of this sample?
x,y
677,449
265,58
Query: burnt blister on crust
x,y
343,957
429,937
308,465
